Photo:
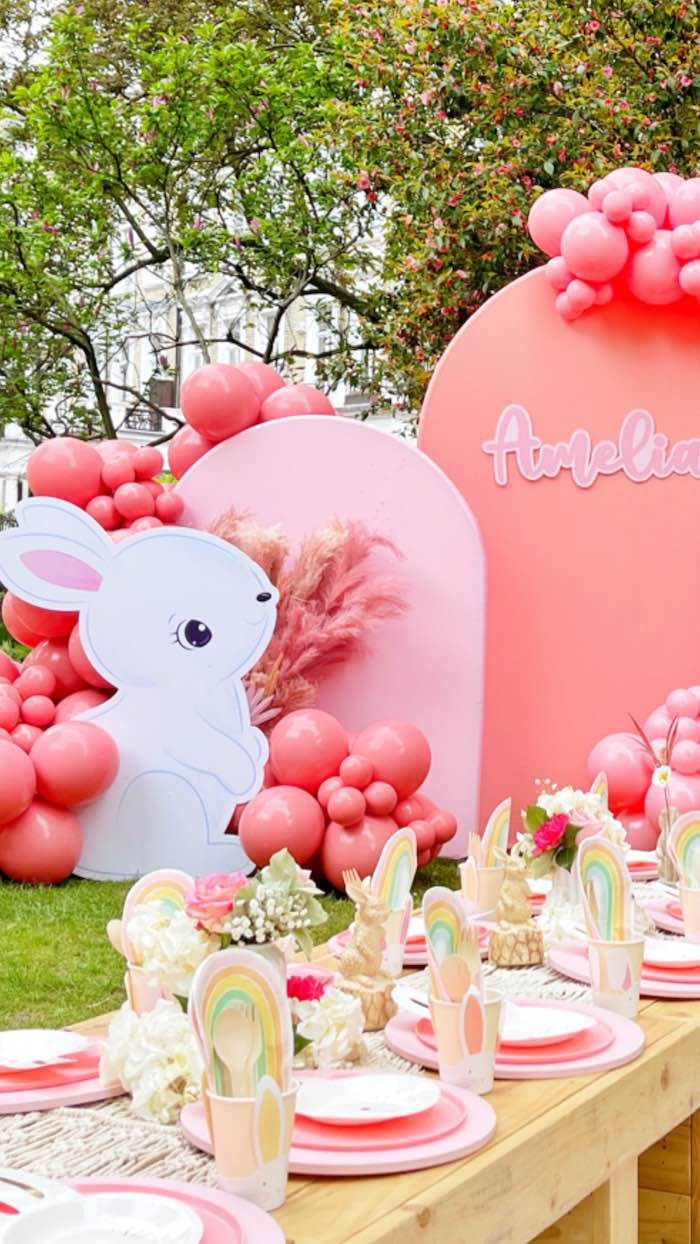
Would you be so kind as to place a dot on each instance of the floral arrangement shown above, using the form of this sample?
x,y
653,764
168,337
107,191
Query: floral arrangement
x,y
328,1023
155,1058
330,598
558,822
278,905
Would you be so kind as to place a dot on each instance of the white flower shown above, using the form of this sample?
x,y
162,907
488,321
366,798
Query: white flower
x,y
169,946
661,776
585,810
333,1024
155,1058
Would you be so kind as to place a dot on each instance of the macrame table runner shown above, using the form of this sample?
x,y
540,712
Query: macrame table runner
x,y
109,1139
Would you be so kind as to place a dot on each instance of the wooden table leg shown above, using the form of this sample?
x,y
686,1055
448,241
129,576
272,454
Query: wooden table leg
x,y
615,1207
695,1176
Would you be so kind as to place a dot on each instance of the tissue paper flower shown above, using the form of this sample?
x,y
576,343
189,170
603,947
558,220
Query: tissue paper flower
x,y
155,1058
169,946
333,1025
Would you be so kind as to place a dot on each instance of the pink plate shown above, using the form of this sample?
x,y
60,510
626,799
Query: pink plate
x,y
415,955
583,1045
26,1100
571,959
226,1219
71,1071
448,1114
666,914
473,1133
628,1041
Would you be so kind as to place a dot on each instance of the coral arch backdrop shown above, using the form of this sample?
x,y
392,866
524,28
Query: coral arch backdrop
x,y
426,667
594,578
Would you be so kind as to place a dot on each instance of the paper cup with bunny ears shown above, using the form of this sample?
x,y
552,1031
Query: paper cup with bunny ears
x,y
466,1033
252,1137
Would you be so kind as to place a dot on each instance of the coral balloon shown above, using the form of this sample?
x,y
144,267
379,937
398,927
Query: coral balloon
x,y
687,728
8,669
356,771
306,747
134,501
53,654
75,762
42,846
67,468
347,806
381,798
358,847
682,703
653,271
684,205
657,724
79,702
9,713
550,214
49,623
219,400
148,461
327,788
683,794
445,826
25,736
594,249
186,448
36,680
282,816
14,623
148,523
117,471
80,663
408,810
623,759
686,756
399,754
689,278
264,379
104,512
38,710
640,832
113,449
169,507
17,782
296,399
425,835
8,690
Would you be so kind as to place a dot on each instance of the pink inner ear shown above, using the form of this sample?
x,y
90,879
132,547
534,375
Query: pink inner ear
x,y
62,569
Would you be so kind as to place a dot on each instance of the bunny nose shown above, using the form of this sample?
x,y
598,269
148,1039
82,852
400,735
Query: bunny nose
x,y
263,597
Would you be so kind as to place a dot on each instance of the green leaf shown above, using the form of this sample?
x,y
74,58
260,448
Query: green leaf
x,y
548,168
565,856
535,817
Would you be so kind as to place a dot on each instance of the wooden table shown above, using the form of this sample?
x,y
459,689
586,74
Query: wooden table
x,y
607,1159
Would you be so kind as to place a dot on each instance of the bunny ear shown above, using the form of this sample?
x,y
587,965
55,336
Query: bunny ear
x,y
268,1125
57,558
472,1022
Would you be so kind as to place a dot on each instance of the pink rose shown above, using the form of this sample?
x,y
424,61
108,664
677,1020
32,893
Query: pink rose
x,y
549,835
211,901
308,988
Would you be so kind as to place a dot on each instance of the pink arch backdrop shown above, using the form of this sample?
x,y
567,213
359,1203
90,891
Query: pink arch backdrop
x,y
594,582
426,668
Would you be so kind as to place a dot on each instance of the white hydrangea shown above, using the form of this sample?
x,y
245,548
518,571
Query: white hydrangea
x,y
155,1058
169,946
584,809
333,1024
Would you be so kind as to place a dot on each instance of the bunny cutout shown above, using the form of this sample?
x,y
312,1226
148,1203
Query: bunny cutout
x,y
173,618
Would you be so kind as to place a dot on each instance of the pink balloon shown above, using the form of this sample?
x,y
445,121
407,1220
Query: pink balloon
x,y
10,616
327,788
8,669
641,227
686,756
687,728
81,665
49,623
682,703
263,378
115,448
617,206
557,273
53,654
36,680
169,507
684,205
17,782
358,847
381,799
689,278
425,836
67,468
134,501
104,512
580,294
409,810
148,523
647,195
640,832
148,461
683,793
118,470
594,249
356,771
622,758
685,243
296,399
282,816
42,846
219,400
550,215
25,736
657,723
669,183
75,762
445,826
9,713
399,754
653,271
186,448
156,490
9,691
38,710
79,702
347,806
306,747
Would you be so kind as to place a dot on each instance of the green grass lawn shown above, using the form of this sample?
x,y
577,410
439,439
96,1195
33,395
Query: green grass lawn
x,y
57,966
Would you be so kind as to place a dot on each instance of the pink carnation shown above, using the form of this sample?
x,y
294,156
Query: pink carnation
x,y
211,901
549,835
307,988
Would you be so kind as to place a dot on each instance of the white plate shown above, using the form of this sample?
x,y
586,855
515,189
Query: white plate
x,y
358,1099
641,857
411,1000
540,886
541,1025
416,928
109,1218
662,953
24,1048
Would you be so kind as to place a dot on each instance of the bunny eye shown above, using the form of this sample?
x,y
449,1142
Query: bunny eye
x,y
193,634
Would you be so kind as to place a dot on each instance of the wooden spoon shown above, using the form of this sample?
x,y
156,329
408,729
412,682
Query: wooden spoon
x,y
456,977
233,1038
